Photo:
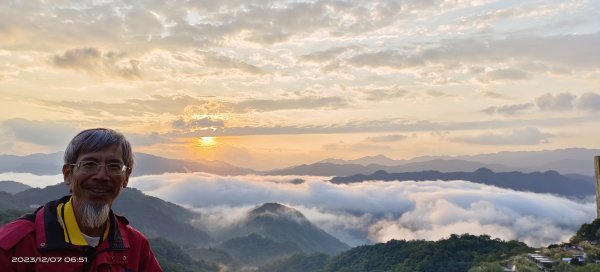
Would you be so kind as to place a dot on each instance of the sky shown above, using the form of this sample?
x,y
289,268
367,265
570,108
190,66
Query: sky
x,y
270,84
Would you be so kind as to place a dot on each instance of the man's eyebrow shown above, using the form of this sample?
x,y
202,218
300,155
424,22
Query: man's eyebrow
x,y
115,160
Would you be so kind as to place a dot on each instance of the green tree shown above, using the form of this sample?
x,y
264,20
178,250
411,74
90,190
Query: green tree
x,y
487,267
7,216
172,258
587,232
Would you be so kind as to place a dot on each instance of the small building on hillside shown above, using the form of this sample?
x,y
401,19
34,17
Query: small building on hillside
x,y
540,260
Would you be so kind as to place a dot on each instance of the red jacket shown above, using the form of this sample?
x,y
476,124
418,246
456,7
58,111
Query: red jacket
x,y
36,242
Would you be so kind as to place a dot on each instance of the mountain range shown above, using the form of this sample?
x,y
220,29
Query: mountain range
x,y
13,187
538,182
145,164
270,231
329,168
141,210
274,237
509,158
565,161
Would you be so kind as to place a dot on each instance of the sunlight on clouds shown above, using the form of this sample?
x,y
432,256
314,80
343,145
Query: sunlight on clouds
x,y
310,67
207,142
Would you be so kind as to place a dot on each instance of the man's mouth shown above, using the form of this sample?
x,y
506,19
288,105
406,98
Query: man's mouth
x,y
99,190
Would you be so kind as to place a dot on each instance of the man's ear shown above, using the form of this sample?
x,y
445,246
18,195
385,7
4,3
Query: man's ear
x,y
67,173
127,174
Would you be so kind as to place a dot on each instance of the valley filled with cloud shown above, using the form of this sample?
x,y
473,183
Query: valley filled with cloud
x,y
369,212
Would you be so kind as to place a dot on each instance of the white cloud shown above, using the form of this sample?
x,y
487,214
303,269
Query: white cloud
x,y
294,103
195,23
216,60
558,102
520,12
384,94
590,101
508,74
96,62
386,138
54,134
378,211
525,136
509,109
369,212
551,102
31,179
375,66
557,50
201,123
326,56
154,105
145,139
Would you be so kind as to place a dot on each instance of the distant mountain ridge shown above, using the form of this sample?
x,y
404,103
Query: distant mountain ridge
x,y
145,164
377,159
39,164
510,158
565,161
13,187
325,169
546,182
516,158
332,169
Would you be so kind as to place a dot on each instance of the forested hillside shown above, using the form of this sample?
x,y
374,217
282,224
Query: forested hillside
x,y
457,253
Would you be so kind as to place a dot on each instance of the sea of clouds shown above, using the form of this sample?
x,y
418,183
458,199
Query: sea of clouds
x,y
370,212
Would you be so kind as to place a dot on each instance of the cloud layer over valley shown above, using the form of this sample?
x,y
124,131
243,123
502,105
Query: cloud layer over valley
x,y
369,212
378,211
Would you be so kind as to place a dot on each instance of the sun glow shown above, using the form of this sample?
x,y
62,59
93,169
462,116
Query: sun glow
x,y
207,141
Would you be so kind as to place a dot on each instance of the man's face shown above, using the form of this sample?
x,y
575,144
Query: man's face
x,y
100,186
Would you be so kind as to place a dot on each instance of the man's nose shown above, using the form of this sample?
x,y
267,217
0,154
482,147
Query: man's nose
x,y
102,173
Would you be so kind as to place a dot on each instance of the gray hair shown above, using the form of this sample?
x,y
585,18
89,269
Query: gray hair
x,y
96,139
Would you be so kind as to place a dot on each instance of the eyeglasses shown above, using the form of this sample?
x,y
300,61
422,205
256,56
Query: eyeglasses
x,y
91,167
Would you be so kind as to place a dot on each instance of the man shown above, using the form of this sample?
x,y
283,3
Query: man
x,y
79,232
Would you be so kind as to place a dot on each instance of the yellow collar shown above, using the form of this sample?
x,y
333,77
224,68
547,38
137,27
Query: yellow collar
x,y
71,230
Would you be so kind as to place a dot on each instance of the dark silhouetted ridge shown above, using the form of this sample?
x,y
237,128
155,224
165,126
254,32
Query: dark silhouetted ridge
x,y
538,182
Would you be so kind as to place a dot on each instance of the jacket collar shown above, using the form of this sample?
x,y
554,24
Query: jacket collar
x,y
67,219
50,234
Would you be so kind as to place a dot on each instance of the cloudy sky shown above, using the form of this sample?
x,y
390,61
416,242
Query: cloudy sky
x,y
276,83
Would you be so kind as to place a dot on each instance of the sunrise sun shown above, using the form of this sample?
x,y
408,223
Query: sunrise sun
x,y
206,141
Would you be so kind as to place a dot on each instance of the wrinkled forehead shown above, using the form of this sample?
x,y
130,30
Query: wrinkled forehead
x,y
108,153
